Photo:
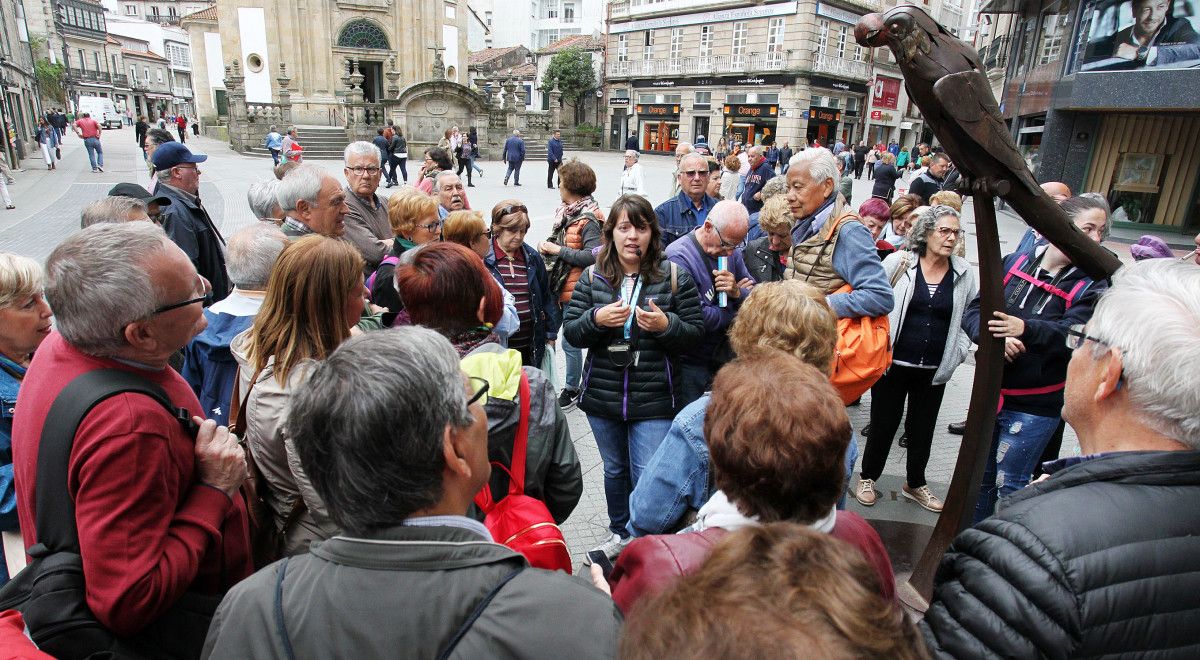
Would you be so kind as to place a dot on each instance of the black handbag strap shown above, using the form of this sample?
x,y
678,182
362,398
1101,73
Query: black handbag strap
x,y
54,510
476,613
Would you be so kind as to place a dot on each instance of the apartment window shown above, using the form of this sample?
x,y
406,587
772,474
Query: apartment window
x,y
160,76
737,98
841,42
703,100
706,38
822,37
852,104
172,14
132,73
647,98
622,48
146,73
739,42
487,17
648,46
115,69
775,42
1052,39
154,10
568,12
96,60
551,9
131,10
451,12
672,98
676,49
858,54
766,98
82,62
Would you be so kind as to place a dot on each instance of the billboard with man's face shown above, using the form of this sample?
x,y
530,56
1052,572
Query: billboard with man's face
x,y
1126,35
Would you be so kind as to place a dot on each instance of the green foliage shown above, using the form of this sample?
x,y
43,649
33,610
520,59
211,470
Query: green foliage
x,y
571,68
50,80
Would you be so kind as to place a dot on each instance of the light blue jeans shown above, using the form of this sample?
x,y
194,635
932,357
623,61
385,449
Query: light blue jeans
x,y
574,359
625,448
1017,445
95,152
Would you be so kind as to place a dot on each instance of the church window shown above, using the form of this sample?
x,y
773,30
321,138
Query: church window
x,y
362,34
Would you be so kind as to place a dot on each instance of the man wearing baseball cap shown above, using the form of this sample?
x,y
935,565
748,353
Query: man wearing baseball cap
x,y
185,220
154,203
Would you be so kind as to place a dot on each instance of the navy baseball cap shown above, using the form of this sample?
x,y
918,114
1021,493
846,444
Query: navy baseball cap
x,y
171,154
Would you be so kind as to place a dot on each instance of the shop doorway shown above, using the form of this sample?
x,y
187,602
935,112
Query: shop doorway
x,y
618,129
661,136
702,130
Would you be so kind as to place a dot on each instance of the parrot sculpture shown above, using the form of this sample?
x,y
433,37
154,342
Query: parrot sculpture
x,y
944,78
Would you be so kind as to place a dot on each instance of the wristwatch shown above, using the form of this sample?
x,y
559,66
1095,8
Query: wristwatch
x,y
1142,53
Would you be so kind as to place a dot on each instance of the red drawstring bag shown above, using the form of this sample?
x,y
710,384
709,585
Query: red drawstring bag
x,y
521,522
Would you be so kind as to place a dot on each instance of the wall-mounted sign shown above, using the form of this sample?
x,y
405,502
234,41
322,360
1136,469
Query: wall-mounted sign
x,y
713,81
886,92
618,102
751,110
840,85
837,13
824,115
658,110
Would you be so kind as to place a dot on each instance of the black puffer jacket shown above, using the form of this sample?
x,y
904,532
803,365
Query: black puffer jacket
x,y
649,389
1101,559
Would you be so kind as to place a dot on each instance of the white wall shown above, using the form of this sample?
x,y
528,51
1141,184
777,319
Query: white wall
x,y
252,33
450,55
216,68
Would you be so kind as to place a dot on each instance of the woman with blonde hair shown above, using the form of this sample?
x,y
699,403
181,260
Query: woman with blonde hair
x,y
414,220
730,176
314,297
765,256
24,323
790,316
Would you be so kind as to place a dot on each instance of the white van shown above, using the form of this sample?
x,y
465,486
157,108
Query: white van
x,y
102,110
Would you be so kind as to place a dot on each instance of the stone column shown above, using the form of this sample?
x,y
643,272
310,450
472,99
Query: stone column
x,y
393,78
555,107
239,128
285,95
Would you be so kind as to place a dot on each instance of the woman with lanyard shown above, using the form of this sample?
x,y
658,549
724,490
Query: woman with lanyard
x,y
24,323
1045,295
635,313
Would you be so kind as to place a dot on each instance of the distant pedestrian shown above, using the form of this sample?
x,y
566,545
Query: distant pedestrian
x,y
87,129
785,154
196,127
473,138
399,157
514,155
860,158
631,142
292,151
274,143
139,133
48,139
554,157
181,126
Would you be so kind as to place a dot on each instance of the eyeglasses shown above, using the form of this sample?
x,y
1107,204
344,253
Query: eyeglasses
x,y
1076,337
727,246
692,174
482,387
431,227
206,298
513,208
946,232
364,171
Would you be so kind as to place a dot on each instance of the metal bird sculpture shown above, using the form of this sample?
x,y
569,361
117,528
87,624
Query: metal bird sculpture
x,y
944,78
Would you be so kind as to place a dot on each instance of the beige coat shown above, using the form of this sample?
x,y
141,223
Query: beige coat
x,y
273,451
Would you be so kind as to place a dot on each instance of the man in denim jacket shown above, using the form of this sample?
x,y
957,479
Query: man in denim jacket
x,y
689,209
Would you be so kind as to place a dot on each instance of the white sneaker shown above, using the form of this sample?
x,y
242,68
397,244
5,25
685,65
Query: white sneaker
x,y
612,547
866,494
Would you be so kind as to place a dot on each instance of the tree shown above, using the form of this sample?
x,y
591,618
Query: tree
x,y
50,80
571,68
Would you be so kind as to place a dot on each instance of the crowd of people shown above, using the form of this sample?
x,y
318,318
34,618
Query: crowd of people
x,y
262,445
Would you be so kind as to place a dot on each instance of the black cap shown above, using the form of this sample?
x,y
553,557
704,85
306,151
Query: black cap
x,y
137,192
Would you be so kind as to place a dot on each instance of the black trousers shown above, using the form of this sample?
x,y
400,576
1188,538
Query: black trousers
x,y
887,406
858,168
550,170
870,171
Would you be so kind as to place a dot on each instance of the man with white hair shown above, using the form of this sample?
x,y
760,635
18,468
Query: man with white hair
x,y
514,155
208,366
682,149
313,203
720,235
691,204
1100,556
830,246
114,209
161,527
448,189
367,224
263,202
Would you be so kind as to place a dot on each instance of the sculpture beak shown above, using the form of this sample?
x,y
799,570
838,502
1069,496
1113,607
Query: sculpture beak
x,y
871,31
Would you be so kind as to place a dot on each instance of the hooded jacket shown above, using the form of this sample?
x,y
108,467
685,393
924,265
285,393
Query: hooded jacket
x,y
209,366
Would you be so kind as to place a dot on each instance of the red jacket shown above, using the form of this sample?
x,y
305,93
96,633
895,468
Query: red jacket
x,y
148,530
650,564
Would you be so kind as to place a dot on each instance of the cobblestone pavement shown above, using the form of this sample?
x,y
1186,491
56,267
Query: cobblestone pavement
x,y
48,206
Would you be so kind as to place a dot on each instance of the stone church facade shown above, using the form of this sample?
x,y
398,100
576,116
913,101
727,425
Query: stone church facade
x,y
325,44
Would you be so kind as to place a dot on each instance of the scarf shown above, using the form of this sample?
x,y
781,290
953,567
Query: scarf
x,y
720,512
468,340
570,212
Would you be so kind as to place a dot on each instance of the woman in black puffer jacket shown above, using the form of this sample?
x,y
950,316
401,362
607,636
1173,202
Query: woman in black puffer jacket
x,y
885,178
630,380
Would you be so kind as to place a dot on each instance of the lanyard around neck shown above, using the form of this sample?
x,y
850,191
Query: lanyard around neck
x,y
632,302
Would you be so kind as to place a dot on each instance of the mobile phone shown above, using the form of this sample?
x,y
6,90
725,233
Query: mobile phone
x,y
600,559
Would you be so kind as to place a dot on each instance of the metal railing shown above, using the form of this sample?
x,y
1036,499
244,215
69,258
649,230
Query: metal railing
x,y
698,65
120,80
840,66
84,75
182,92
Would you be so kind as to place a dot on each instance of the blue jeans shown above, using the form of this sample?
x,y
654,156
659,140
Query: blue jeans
x,y
626,448
476,167
574,358
514,170
274,155
95,152
1017,445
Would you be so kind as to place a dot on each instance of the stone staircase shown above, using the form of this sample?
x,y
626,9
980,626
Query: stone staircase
x,y
319,142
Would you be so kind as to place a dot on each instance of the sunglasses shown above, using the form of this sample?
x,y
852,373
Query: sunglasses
x,y
691,174
513,208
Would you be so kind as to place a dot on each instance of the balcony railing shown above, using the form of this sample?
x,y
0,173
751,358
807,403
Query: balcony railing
x,y
995,54
120,80
696,65
182,92
165,20
839,66
84,75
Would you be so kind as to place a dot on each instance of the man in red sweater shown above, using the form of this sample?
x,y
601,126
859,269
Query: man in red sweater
x,y
159,514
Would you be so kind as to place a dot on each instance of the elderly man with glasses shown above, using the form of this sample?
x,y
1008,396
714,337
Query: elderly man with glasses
x,y
711,254
185,219
687,210
367,225
161,526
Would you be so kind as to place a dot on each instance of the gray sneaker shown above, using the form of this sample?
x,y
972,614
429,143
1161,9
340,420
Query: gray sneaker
x,y
612,547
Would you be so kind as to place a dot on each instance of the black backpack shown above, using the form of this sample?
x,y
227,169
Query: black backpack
x,y
50,591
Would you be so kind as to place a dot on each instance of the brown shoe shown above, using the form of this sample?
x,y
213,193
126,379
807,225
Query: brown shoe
x,y
866,493
924,497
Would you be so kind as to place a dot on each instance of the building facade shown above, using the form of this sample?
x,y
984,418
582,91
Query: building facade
x,y
538,23
149,78
165,12
75,35
20,106
1108,105
323,43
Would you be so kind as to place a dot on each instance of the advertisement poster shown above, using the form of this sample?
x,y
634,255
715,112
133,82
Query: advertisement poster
x,y
886,92
1130,35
